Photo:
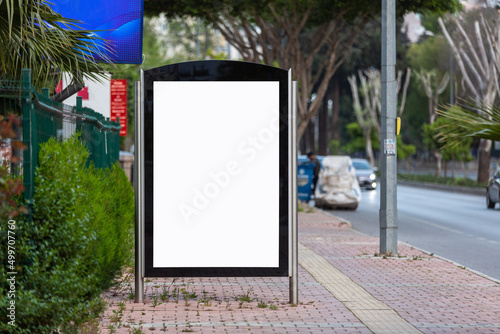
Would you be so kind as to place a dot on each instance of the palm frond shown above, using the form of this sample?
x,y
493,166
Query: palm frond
x,y
468,119
34,36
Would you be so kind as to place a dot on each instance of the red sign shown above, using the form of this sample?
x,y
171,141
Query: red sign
x,y
119,103
84,93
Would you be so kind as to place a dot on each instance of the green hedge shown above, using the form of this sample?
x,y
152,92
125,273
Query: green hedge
x,y
80,238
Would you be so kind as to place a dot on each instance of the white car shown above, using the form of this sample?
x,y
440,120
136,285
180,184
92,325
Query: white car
x,y
337,186
365,174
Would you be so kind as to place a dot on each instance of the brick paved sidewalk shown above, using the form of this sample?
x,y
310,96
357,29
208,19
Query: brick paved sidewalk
x,y
344,287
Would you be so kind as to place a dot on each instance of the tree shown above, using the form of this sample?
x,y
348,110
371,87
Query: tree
x,y
33,36
291,34
368,115
449,147
429,80
478,58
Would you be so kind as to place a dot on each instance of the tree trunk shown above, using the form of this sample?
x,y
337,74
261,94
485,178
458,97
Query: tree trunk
x,y
452,167
483,165
336,109
369,149
431,111
309,137
323,127
439,158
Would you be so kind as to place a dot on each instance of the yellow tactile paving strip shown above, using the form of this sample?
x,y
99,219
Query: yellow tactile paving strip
x,y
377,316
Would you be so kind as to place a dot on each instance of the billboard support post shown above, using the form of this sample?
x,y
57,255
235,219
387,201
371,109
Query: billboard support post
x,y
139,194
294,286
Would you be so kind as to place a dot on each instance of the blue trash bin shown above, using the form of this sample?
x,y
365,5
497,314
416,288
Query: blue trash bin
x,y
304,181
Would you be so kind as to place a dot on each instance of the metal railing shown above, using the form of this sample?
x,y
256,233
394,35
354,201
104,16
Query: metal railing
x,y
43,119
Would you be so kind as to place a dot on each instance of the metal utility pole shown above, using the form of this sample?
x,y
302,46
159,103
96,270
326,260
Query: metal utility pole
x,y
388,162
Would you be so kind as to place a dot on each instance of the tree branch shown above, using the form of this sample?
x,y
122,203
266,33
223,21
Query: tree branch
x,y
405,90
471,48
460,62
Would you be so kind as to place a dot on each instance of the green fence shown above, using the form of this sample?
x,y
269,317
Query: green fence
x,y
43,119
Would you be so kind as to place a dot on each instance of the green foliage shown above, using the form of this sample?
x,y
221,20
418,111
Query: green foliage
x,y
11,186
356,142
451,149
431,54
33,36
429,132
334,147
404,150
322,10
469,121
459,181
79,238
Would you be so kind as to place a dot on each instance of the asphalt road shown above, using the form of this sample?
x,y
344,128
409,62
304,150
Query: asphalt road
x,y
455,226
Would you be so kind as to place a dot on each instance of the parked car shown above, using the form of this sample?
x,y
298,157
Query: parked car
x,y
337,186
365,174
493,190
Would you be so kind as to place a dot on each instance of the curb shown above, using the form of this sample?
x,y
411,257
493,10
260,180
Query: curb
x,y
454,189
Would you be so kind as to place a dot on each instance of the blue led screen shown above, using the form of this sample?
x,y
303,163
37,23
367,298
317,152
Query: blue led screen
x,y
120,22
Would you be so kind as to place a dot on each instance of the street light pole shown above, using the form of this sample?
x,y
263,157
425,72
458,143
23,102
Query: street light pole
x,y
388,162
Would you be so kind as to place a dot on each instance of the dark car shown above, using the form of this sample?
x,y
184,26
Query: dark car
x,y
493,191
365,174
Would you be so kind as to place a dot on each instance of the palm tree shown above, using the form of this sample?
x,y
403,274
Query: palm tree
x,y
33,36
471,121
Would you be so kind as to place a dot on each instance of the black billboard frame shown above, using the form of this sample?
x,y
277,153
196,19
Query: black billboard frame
x,y
207,71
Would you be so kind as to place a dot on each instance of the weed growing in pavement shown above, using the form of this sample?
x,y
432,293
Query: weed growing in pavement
x,y
262,304
205,299
187,294
164,295
155,300
121,306
189,328
116,317
273,307
310,210
111,329
131,294
386,255
136,331
246,297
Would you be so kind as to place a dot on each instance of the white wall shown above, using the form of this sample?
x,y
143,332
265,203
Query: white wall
x,y
99,95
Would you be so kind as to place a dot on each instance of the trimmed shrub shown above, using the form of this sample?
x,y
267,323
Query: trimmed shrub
x,y
79,239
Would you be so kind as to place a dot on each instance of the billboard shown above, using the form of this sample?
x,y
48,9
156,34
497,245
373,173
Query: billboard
x,y
119,21
216,170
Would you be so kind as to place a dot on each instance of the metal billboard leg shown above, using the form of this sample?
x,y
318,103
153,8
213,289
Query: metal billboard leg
x,y
139,194
294,281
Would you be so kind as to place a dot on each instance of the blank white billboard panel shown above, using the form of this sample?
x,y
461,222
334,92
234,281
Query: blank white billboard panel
x,y
216,174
